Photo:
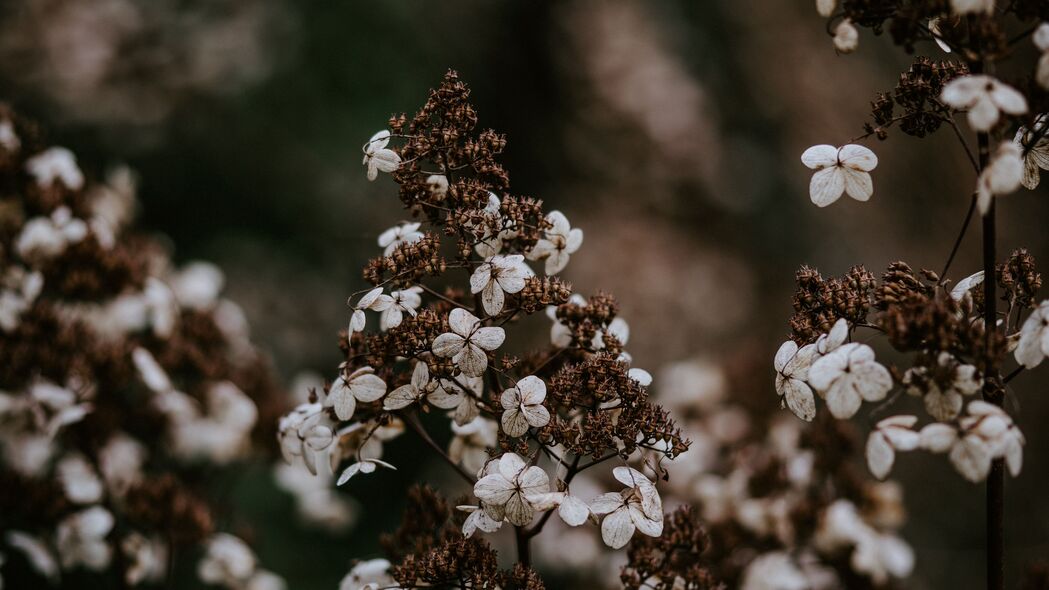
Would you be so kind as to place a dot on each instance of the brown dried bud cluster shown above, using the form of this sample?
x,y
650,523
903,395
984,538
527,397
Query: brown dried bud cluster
x,y
1020,279
538,293
164,503
407,263
672,561
917,94
900,284
818,303
586,321
939,323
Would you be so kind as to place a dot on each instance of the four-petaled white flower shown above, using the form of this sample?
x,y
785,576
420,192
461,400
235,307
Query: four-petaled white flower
x,y
405,301
792,370
81,483
1034,337
438,185
361,385
468,342
558,243
307,432
378,157
1002,176
985,97
890,435
478,521
375,300
523,406
972,6
1035,151
847,376
505,489
362,466
81,539
943,401
638,507
405,233
409,393
846,37
987,433
839,170
496,276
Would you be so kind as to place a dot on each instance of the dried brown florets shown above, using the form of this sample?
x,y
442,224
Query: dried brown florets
x,y
899,284
164,503
407,263
538,293
939,323
1019,278
424,524
672,561
918,95
818,303
586,321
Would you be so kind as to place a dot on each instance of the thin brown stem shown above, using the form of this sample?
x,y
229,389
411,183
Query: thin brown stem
x,y
412,422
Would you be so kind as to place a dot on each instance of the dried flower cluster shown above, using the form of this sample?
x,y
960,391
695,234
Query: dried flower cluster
x,y
522,427
123,380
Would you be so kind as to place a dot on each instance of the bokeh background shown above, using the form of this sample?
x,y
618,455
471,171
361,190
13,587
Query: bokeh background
x,y
670,132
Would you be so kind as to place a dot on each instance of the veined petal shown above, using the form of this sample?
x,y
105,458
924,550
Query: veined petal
x,y
858,184
488,338
820,156
826,186
617,528
857,157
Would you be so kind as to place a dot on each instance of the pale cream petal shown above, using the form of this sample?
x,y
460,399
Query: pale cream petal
x,y
827,186
606,503
858,184
857,157
447,344
617,528
937,438
480,278
820,156
368,387
799,399
400,398
842,400
880,455
462,322
972,458
492,298
573,511
472,361
514,422
488,338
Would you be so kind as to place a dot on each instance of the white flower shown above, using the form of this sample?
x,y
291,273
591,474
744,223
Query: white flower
x,y
1041,41
361,385
198,285
774,571
43,238
374,300
307,432
572,509
147,559
405,301
637,507
1002,176
825,8
478,521
937,437
988,433
8,137
36,552
966,285
890,435
81,539
837,336
362,466
409,393
468,342
839,170
492,242
943,403
882,556
972,6
505,490
406,233
848,376
846,37
438,185
469,447
559,243
79,480
451,395
316,500
523,406
18,294
792,370
371,574
496,276
1034,337
378,157
1037,155
228,561
55,164
985,97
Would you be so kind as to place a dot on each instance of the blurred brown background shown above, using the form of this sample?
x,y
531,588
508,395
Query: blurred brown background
x,y
669,132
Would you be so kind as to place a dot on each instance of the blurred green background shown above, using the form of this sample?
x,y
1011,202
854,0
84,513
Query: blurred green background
x,y
669,131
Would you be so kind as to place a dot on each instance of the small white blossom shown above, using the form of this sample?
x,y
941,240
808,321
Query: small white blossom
x,y
120,462
198,285
228,562
468,342
985,97
937,437
307,432
825,8
375,300
792,370
558,243
988,433
572,509
496,276
405,301
147,559
81,539
1036,158
371,574
361,385
890,435
55,164
848,376
36,552
469,447
409,393
362,466
846,37
79,480
43,238
1002,176
378,157
438,185
837,336
943,402
405,233
972,6
636,508
478,521
523,406
1034,337
9,139
18,293
839,170
505,489
774,571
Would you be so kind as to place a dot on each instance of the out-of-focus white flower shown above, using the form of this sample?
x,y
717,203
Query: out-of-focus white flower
x,y
378,157
1002,176
966,285
8,137
839,170
405,233
147,559
882,556
496,276
79,480
81,539
848,376
361,385
120,462
1041,41
197,285
523,406
36,552
469,447
792,370
846,37
985,97
636,508
55,164
506,489
43,238
478,521
409,393
374,300
362,466
943,403
438,185
972,6
369,575
228,561
560,241
988,433
890,435
468,342
773,571
265,580
20,289
825,8
1036,157
937,437
405,301
223,433
1034,337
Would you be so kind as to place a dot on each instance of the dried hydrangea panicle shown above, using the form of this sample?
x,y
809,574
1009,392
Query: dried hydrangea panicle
x,y
839,170
1002,176
984,97
848,376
